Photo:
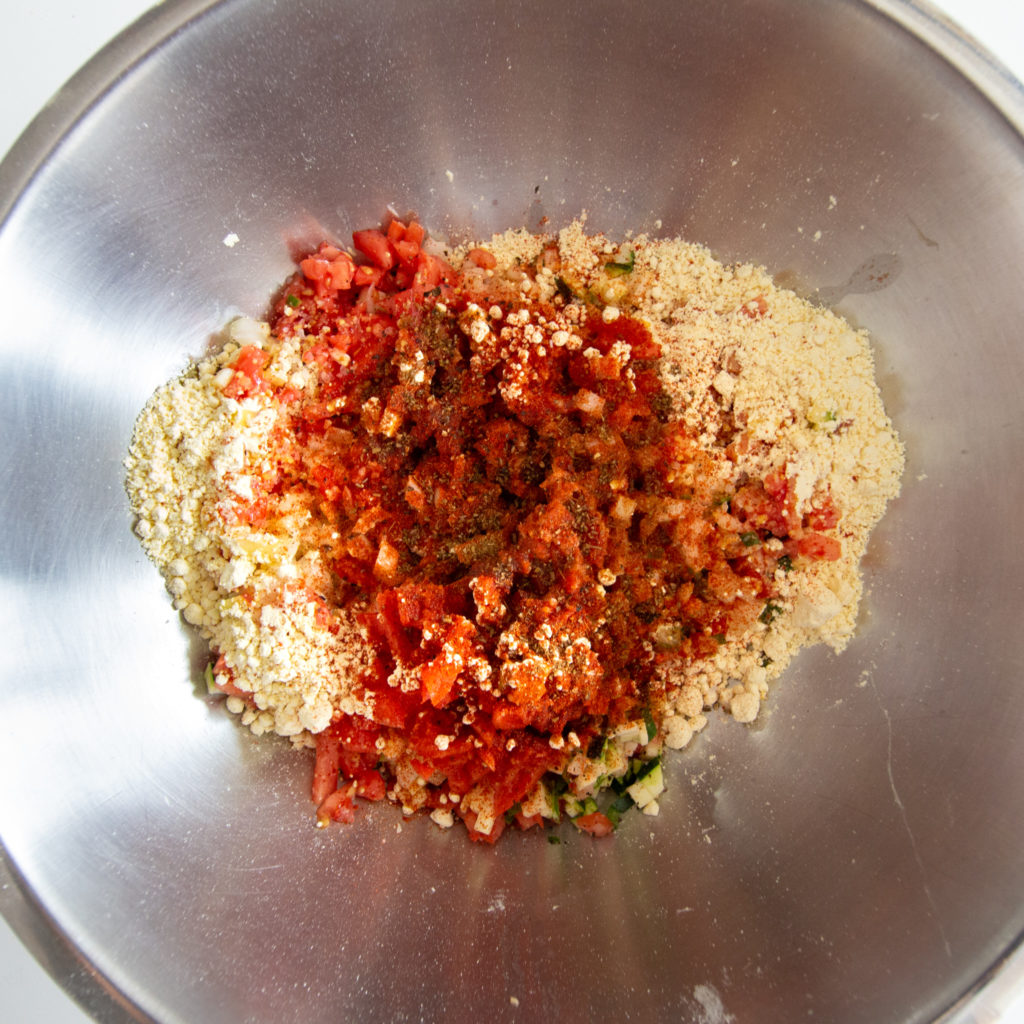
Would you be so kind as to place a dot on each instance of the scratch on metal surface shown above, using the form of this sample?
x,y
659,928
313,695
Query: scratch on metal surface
x,y
901,807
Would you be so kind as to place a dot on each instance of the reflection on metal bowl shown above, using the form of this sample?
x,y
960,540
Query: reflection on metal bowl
x,y
855,856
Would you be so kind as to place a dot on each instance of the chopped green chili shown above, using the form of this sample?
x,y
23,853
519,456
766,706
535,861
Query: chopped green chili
x,y
618,269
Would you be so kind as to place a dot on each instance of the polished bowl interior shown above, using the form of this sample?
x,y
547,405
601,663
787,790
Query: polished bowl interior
x,y
856,855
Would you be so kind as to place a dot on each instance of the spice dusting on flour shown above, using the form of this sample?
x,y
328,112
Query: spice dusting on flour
x,y
491,527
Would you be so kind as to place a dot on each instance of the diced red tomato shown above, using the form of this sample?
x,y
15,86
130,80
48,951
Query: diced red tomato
x,y
406,251
392,706
326,767
756,307
370,785
824,517
339,807
470,818
391,625
373,244
415,233
482,258
329,270
597,824
430,272
816,545
357,734
353,762
365,275
437,678
438,675
224,681
525,821
508,717
247,379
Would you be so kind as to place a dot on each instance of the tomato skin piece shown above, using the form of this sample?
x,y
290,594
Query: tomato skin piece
x,y
431,271
357,734
816,545
437,679
755,308
373,244
527,821
339,807
482,258
228,686
776,484
396,231
352,763
326,767
469,817
392,707
439,675
365,275
415,232
507,717
247,379
597,824
407,251
370,785
825,517
329,270
390,621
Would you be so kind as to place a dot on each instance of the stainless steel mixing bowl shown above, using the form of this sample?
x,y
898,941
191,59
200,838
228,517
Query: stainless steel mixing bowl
x,y
856,856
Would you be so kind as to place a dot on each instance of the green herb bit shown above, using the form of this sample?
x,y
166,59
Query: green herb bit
x,y
618,269
554,840
770,613
652,728
621,804
292,300
618,807
211,685
720,638
554,805
555,784
572,807
750,539
646,768
785,563
510,814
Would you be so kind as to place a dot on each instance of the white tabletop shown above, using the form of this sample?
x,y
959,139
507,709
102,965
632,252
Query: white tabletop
x,y
46,41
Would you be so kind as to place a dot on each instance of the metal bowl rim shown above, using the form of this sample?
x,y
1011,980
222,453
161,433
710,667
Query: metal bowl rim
x,y
36,928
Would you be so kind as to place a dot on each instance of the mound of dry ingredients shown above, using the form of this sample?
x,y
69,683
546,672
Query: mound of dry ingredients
x,y
491,527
